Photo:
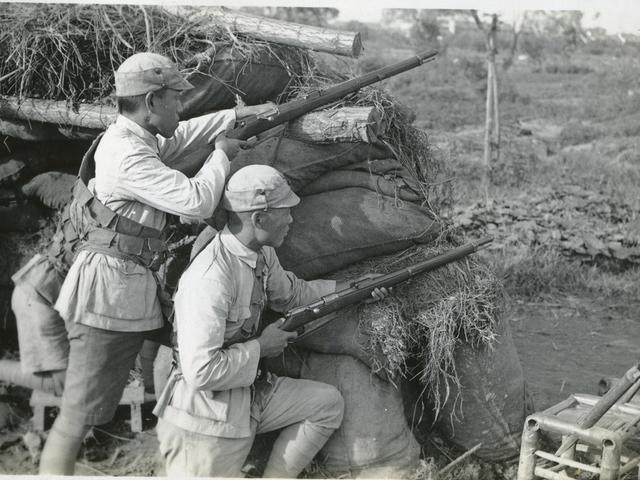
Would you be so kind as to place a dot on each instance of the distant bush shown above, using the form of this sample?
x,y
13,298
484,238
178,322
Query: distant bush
x,y
475,69
539,272
369,64
576,133
356,26
468,39
507,92
567,69
533,46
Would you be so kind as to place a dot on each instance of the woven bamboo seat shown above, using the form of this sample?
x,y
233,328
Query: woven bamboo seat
x,y
608,448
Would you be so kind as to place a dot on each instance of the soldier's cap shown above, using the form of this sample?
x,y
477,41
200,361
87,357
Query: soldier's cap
x,y
147,72
258,187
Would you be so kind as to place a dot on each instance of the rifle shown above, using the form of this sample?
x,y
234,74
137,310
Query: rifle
x,y
254,124
297,318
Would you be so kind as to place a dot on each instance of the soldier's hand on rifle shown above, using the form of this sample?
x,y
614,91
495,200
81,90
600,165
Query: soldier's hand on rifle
x,y
231,146
378,293
273,340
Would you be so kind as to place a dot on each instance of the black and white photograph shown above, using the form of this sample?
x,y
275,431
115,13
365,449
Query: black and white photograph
x,y
326,240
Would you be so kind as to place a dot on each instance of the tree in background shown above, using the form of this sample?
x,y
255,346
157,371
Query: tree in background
x,y
559,24
492,119
318,17
517,25
422,25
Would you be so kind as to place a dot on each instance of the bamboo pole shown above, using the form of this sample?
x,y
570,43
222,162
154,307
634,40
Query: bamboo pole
x,y
57,112
314,38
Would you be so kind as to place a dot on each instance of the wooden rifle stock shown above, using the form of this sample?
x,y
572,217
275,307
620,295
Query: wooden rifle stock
x,y
256,124
296,318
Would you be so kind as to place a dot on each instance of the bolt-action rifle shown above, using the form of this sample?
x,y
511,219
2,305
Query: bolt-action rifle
x,y
297,318
255,124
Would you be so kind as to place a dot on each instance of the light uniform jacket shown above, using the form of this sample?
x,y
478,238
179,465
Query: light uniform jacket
x,y
211,393
134,178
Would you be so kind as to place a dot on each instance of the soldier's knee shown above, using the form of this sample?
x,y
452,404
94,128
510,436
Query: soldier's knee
x,y
332,409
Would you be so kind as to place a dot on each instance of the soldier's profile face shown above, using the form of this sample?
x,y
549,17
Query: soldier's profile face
x,y
167,107
276,226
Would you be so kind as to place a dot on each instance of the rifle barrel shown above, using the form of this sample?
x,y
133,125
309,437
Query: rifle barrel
x,y
293,109
298,317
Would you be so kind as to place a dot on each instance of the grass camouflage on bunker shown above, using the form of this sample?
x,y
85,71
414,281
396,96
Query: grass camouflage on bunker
x,y
69,52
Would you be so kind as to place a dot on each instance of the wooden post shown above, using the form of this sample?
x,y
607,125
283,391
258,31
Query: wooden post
x,y
288,33
492,119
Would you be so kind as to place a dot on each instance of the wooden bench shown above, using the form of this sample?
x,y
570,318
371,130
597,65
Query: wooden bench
x,y
133,396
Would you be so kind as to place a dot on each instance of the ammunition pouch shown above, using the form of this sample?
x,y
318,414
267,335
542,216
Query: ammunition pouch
x,y
102,230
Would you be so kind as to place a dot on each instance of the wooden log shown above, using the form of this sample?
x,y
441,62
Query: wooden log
x,y
24,130
347,124
40,132
57,112
314,38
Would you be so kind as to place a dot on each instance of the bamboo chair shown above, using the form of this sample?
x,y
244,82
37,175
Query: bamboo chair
x,y
595,431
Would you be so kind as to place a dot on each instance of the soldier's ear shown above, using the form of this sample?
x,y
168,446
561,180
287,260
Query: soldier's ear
x,y
258,219
148,101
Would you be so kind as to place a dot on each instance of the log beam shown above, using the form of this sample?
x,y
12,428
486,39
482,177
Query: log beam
x,y
337,42
41,132
347,124
57,112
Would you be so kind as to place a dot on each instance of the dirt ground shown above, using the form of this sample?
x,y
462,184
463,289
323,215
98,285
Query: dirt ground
x,y
568,346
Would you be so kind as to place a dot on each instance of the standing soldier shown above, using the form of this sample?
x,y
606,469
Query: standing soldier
x,y
215,403
109,299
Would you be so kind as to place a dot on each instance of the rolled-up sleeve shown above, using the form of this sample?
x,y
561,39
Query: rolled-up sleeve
x,y
286,291
195,134
151,182
201,320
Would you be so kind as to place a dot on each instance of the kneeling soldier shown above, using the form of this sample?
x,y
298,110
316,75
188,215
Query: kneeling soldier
x,y
217,400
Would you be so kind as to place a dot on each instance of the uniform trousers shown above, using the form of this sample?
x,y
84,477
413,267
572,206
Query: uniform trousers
x,y
279,402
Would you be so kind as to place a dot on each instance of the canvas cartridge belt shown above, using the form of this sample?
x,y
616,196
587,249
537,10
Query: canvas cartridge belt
x,y
104,231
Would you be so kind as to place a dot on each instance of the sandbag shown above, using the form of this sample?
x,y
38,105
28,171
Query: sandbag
x,y
492,403
389,185
386,167
334,229
301,163
11,172
231,73
53,189
374,439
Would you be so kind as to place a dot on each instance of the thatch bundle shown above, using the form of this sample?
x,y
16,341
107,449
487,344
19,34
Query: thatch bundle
x,y
69,52
418,328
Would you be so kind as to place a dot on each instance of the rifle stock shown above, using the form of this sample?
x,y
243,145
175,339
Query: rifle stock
x,y
256,124
296,318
